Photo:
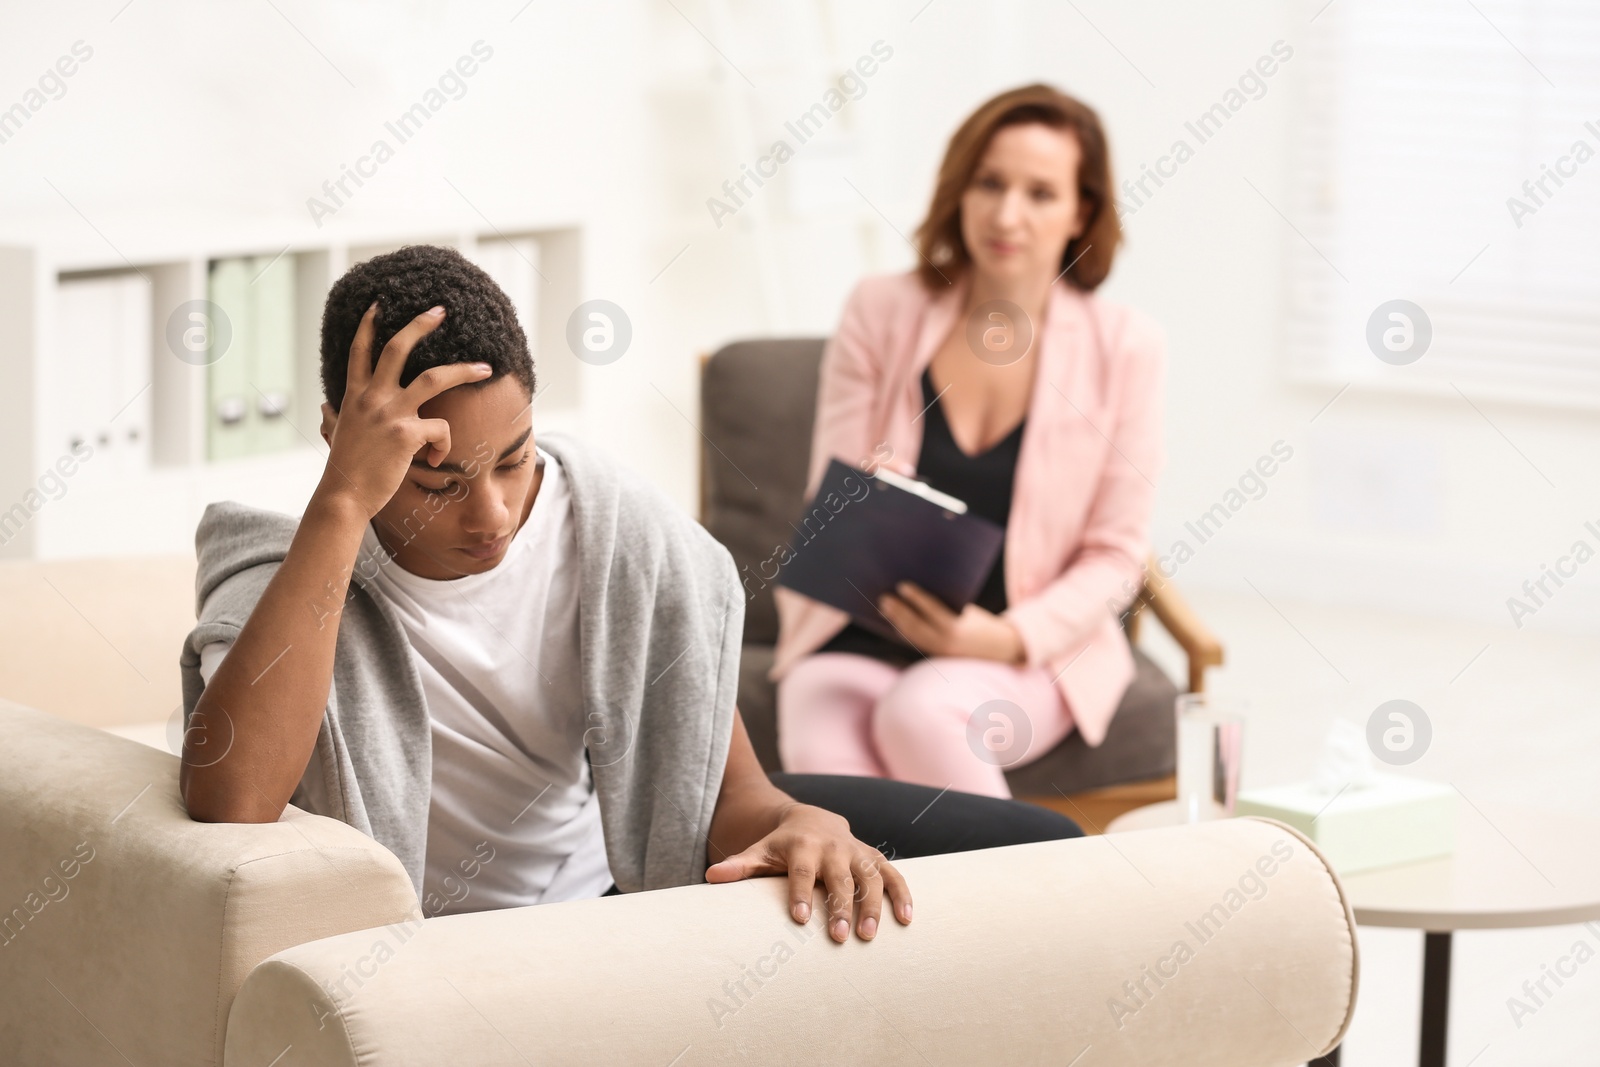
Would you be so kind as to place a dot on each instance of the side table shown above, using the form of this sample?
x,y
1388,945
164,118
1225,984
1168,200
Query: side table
x,y
1524,868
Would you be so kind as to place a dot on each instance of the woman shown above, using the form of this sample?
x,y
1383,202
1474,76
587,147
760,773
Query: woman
x,y
995,374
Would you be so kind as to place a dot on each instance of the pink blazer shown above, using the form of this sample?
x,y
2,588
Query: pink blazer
x,y
1078,533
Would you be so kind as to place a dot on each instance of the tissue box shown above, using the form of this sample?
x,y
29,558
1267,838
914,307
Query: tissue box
x,y
1392,821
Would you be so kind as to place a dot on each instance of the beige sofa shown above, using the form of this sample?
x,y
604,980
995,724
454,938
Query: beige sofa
x,y
134,935
130,934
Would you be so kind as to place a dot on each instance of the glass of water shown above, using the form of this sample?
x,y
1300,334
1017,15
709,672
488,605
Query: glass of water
x,y
1210,747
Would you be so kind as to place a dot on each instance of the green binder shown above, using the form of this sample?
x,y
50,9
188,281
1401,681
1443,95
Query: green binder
x,y
250,385
273,395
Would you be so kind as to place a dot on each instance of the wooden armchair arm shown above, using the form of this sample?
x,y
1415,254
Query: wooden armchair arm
x,y
1199,644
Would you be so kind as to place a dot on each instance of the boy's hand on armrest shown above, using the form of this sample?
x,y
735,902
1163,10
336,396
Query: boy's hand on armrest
x,y
254,727
814,845
758,829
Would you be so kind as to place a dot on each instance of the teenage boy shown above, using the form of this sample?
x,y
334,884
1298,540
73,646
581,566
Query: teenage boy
x,y
512,664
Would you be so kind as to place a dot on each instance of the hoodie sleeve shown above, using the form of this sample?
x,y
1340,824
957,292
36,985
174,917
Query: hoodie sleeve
x,y
238,550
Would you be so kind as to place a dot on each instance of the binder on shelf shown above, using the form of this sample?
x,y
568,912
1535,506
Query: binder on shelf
x,y
230,357
97,387
275,384
513,263
250,384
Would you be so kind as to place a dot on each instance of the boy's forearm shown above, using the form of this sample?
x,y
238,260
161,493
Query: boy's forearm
x,y
749,806
743,817
254,727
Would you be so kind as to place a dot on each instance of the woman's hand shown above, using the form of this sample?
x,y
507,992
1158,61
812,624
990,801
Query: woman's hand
x,y
814,845
377,430
934,630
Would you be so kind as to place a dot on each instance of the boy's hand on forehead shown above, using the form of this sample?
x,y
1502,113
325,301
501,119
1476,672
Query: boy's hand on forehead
x,y
377,430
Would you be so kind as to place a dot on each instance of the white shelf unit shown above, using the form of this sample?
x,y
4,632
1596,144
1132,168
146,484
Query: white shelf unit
x,y
141,491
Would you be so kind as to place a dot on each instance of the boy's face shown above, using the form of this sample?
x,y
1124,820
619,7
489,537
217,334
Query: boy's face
x,y
458,518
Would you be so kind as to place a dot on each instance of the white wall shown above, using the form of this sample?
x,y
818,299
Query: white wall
x,y
623,115
196,127
1416,504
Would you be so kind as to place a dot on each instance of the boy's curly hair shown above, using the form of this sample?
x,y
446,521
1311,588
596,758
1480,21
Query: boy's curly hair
x,y
480,325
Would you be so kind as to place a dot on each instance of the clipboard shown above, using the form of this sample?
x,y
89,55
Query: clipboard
x,y
864,533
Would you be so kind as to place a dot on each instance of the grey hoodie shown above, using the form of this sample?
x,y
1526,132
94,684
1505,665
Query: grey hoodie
x,y
660,620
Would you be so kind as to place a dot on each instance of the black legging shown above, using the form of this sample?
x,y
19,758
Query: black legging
x,y
902,820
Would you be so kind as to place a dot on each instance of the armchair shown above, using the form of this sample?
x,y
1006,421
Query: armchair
x,y
757,406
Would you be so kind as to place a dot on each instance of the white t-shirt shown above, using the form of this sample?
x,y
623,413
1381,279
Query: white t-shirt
x,y
513,817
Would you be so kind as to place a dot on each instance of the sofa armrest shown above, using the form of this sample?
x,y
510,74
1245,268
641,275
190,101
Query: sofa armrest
x,y
1223,943
126,928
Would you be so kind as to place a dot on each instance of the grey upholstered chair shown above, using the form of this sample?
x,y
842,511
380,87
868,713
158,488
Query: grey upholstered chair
x,y
757,404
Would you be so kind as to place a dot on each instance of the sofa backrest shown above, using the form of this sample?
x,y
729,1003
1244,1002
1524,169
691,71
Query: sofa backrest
x,y
96,640
758,401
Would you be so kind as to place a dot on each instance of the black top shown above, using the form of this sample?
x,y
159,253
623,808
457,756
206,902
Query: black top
x,y
984,481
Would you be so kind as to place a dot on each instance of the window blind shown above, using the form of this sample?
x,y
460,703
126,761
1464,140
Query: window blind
x,y
1447,153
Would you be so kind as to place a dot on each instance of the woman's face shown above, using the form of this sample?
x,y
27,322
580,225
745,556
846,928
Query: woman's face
x,y
1022,206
